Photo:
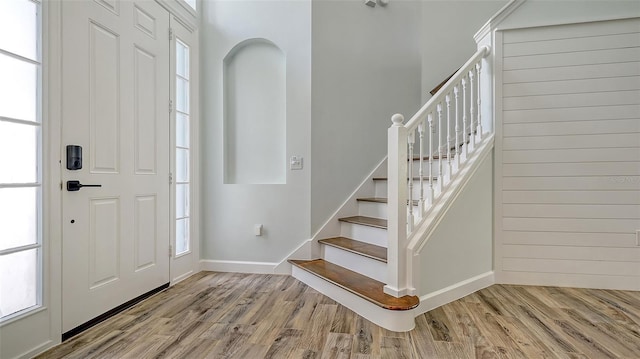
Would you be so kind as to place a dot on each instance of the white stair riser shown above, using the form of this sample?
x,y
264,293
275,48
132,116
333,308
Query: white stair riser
x,y
372,209
381,189
399,321
367,234
364,265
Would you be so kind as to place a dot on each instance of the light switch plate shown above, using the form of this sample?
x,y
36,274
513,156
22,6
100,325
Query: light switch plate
x,y
295,163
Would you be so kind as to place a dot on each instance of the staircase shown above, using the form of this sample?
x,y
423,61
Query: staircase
x,y
355,263
373,265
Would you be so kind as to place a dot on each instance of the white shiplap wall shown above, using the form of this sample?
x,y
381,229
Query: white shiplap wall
x,y
568,171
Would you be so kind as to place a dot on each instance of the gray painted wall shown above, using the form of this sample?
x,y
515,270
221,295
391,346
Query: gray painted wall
x,y
231,210
365,68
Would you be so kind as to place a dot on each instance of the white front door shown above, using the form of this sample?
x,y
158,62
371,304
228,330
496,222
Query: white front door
x,y
115,106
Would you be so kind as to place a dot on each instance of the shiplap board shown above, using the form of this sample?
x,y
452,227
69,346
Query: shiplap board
x,y
571,197
598,42
619,112
572,59
572,128
572,141
595,183
571,224
572,266
622,154
603,28
529,210
570,239
572,72
572,169
614,254
592,99
558,87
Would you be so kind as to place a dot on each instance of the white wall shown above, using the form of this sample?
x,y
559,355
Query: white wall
x,y
568,148
366,67
447,36
231,210
461,246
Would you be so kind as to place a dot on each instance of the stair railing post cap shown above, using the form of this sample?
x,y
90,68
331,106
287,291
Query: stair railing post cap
x,y
397,120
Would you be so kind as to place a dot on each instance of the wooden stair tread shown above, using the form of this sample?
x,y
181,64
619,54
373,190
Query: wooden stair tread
x,y
366,221
380,200
358,284
365,249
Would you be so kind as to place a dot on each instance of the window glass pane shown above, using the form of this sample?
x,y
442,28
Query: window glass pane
x,y
19,281
18,153
182,95
18,88
18,18
18,217
182,130
182,165
182,235
182,59
182,200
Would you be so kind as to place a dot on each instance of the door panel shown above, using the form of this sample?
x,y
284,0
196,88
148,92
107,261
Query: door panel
x,y
115,105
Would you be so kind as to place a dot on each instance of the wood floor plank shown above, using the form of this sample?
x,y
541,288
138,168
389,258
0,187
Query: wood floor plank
x,y
366,339
337,346
318,327
231,315
344,321
395,348
439,326
422,342
284,345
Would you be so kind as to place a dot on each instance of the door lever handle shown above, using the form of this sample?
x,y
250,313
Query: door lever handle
x,y
73,186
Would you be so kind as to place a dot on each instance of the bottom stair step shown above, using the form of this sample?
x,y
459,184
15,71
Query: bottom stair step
x,y
356,283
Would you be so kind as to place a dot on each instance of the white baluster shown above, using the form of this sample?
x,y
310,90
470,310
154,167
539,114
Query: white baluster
x,y
411,141
421,171
440,177
430,119
448,100
472,110
479,128
464,112
456,89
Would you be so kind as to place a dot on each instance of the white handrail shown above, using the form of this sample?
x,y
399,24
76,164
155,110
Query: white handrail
x,y
439,96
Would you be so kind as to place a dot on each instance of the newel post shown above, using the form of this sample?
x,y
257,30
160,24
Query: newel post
x,y
397,207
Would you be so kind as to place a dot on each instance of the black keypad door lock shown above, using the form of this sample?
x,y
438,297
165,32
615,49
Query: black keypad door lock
x,y
74,157
73,186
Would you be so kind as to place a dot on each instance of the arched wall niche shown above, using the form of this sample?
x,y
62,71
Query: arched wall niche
x,y
255,116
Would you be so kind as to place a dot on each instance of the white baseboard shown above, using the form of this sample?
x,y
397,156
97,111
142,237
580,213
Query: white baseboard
x,y
454,292
237,266
570,280
282,267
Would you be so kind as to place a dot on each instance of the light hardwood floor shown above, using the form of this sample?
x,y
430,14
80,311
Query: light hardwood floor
x,y
230,315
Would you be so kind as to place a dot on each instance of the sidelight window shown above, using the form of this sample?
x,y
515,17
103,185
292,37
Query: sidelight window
x,y
20,157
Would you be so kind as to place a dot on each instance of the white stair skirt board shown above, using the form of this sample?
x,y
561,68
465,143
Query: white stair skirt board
x,y
395,320
367,234
370,267
372,209
454,292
